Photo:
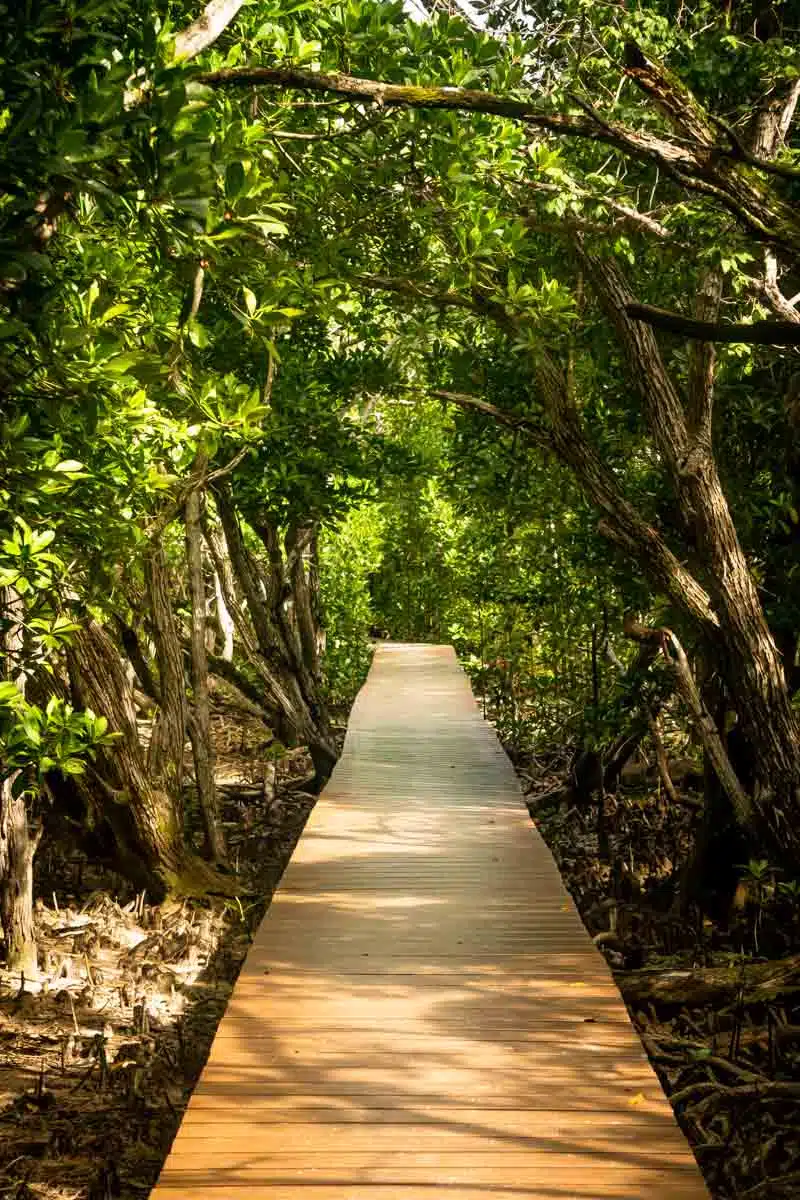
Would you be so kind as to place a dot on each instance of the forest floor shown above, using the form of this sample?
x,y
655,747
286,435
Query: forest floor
x,y
716,1001
98,1059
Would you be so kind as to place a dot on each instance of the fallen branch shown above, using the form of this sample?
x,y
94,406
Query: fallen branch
x,y
760,983
767,1089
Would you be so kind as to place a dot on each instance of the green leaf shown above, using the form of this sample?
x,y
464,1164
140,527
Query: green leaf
x,y
72,766
11,328
198,334
114,310
40,541
234,179
198,206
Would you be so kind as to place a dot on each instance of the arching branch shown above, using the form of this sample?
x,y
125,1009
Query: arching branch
x,y
203,32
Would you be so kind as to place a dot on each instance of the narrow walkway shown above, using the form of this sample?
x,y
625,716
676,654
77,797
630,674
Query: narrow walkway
x,y
422,1015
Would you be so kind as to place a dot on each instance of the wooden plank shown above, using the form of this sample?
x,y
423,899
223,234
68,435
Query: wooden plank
x,y
422,1013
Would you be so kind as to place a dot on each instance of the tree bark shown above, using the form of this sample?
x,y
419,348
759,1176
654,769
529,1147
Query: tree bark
x,y
145,820
700,717
621,522
200,721
168,739
203,32
225,621
749,659
274,644
17,846
756,333
136,656
301,564
762,983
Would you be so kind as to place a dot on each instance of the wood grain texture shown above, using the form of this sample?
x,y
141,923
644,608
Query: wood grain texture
x,y
422,1014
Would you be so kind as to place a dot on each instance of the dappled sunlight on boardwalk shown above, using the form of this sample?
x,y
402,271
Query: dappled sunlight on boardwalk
x,y
422,1015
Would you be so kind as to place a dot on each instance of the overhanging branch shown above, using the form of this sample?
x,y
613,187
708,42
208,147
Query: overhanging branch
x,y
691,159
502,416
759,333
203,32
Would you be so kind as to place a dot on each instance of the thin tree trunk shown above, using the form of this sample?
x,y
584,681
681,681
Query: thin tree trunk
x,y
203,32
276,699
165,753
275,651
662,761
17,847
200,721
701,718
299,542
227,626
136,656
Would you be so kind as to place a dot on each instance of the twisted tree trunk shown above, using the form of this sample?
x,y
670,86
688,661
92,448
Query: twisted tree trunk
x,y
270,633
144,818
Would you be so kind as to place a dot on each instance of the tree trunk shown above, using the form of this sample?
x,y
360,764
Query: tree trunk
x,y
145,820
749,659
17,847
271,636
704,724
168,739
225,621
757,983
200,721
136,656
300,550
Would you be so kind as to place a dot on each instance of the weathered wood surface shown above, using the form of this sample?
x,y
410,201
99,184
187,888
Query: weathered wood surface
x,y
422,1015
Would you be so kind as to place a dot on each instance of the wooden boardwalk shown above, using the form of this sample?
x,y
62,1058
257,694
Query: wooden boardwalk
x,y
422,1015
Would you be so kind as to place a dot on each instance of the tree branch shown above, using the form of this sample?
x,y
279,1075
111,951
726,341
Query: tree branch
x,y
771,124
706,727
196,481
565,435
759,333
511,420
663,404
702,362
779,303
621,522
693,160
203,32
629,216
407,287
686,115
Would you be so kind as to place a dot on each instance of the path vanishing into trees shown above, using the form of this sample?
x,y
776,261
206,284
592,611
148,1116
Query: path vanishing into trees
x,y
422,1012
